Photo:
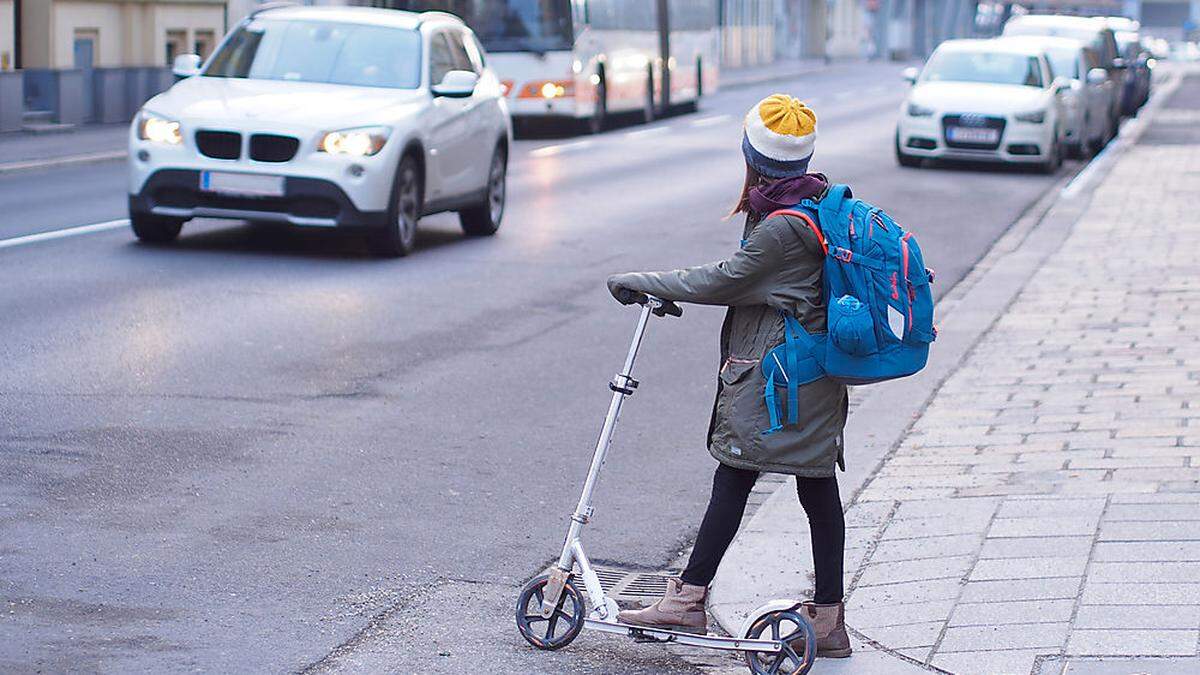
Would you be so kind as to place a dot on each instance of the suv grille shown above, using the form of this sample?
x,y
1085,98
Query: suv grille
x,y
272,148
219,144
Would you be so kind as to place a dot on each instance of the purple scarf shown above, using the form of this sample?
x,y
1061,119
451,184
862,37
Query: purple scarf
x,y
786,193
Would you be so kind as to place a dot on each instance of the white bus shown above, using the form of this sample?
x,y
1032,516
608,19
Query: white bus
x,y
587,59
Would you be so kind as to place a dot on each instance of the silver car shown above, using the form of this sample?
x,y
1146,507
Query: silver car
x,y
1090,100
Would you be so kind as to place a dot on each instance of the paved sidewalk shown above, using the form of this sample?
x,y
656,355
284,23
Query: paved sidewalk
x,y
22,151
1042,515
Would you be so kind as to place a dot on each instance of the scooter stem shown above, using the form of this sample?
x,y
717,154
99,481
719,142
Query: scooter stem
x,y
622,386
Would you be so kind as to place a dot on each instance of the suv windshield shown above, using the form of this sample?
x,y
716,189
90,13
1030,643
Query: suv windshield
x,y
987,67
507,25
321,51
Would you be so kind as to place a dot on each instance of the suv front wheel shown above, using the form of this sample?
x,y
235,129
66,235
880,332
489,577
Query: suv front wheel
x,y
155,229
483,219
398,237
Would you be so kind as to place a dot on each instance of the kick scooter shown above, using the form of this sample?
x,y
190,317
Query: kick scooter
x,y
776,638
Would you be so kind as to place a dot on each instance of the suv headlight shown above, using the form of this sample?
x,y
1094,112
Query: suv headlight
x,y
158,129
359,142
915,110
1034,117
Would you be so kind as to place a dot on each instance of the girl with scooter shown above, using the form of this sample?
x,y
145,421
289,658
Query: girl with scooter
x,y
778,269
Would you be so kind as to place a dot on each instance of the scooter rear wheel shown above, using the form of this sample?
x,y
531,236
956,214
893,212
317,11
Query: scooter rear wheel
x,y
560,628
799,644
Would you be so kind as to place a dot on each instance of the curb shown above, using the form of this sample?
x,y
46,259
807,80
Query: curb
x,y
884,413
57,162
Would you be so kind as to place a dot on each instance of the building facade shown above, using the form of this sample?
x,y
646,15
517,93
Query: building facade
x,y
79,61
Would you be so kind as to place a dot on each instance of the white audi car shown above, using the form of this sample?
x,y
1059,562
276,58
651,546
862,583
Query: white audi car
x,y
983,100
351,118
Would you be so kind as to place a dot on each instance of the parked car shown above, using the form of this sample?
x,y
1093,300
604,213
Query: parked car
x,y
989,100
358,119
1087,104
1091,30
1140,65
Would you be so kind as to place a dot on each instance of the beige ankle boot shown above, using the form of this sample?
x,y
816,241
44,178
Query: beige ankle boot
x,y
829,622
680,608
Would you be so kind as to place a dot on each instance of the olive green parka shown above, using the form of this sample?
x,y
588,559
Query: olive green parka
x,y
778,267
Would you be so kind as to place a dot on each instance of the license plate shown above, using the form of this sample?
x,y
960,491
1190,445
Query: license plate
x,y
250,184
972,135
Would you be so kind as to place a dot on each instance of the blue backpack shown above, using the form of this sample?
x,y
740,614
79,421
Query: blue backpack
x,y
880,309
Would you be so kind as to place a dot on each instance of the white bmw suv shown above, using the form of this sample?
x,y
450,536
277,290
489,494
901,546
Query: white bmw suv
x,y
351,118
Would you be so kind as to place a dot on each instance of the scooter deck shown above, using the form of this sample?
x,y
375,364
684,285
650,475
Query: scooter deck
x,y
709,641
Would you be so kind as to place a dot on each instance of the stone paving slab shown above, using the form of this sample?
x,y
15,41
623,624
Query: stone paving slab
x,y
1043,510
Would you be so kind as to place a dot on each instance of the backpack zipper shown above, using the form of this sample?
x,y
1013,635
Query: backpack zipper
x,y
911,295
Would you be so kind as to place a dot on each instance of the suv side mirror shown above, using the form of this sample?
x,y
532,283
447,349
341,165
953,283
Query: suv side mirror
x,y
910,75
186,65
1097,76
456,84
1060,84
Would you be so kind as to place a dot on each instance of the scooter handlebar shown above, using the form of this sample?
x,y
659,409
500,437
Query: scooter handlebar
x,y
659,306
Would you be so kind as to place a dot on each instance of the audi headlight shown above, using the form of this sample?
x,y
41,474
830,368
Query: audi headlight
x,y
915,110
158,129
359,142
1034,117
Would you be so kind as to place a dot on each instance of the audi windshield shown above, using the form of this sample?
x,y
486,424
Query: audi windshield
x,y
321,51
983,67
508,25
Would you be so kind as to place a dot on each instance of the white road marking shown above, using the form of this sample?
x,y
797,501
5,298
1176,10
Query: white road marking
x,y
709,121
64,233
551,150
643,133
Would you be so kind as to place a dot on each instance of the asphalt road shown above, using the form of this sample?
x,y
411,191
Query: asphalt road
x,y
266,451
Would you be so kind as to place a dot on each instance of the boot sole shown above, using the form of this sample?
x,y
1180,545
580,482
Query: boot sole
x,y
834,653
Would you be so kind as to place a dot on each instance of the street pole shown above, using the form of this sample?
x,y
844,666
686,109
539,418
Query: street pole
x,y
664,50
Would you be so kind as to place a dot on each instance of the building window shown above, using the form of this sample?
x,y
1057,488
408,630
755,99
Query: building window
x,y
176,44
204,43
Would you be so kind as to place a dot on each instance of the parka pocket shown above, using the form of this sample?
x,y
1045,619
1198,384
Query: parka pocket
x,y
741,410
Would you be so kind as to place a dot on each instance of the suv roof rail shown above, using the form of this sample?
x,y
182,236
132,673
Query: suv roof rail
x,y
266,6
445,16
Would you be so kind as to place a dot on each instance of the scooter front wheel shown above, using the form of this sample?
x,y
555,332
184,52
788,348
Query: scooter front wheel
x,y
560,628
798,638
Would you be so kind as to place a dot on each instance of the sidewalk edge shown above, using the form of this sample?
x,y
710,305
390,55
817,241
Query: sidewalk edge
x,y
58,162
968,312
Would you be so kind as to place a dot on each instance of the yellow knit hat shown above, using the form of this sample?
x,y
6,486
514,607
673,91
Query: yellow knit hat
x,y
781,133
787,115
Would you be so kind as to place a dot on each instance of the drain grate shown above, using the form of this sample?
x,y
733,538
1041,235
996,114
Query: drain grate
x,y
632,586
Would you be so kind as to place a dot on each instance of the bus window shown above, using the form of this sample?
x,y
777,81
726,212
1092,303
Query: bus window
x,y
507,25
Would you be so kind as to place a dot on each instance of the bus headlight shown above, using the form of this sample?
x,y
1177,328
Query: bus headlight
x,y
548,89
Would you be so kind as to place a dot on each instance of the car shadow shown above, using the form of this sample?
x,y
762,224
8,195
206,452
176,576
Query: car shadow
x,y
259,239
959,166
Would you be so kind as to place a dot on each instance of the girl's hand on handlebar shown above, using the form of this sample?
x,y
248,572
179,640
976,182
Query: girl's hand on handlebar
x,y
623,294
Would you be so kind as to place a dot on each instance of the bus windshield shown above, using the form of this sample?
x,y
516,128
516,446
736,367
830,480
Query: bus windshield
x,y
508,25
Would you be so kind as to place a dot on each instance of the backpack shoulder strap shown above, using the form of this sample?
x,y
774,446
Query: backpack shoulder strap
x,y
807,220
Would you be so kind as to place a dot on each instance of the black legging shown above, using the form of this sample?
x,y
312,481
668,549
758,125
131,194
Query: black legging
x,y
822,505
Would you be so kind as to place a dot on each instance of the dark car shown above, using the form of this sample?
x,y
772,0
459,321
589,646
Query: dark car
x,y
1138,63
